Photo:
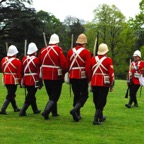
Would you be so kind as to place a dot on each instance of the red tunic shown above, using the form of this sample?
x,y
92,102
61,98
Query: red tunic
x,y
52,59
31,66
11,68
105,69
81,63
141,67
136,68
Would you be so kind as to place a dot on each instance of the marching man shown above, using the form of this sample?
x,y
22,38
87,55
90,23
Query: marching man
x,y
79,72
31,66
102,80
133,78
53,63
12,74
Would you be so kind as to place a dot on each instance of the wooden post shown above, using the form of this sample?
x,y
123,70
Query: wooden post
x,y
94,49
6,43
45,42
25,47
72,38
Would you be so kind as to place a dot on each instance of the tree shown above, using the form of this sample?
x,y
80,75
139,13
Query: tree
x,y
110,24
13,16
50,24
92,35
16,1
73,26
137,24
18,22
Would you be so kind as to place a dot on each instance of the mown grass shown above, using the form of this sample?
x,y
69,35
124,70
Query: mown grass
x,y
122,126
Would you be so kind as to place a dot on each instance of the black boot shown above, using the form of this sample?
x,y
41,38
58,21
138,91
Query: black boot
x,y
47,110
4,107
54,110
13,103
102,117
23,110
97,118
129,104
135,102
79,115
34,107
73,112
136,105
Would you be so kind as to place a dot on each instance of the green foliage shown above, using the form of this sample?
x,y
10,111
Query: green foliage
x,y
122,126
91,33
137,25
17,22
142,52
110,24
73,26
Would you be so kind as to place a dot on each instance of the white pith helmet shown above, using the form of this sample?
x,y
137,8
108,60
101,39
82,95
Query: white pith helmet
x,y
137,53
102,49
82,39
32,48
54,39
12,50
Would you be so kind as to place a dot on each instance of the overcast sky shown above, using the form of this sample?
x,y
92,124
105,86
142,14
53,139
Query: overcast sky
x,y
83,9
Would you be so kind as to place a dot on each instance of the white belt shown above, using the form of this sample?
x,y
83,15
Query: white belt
x,y
9,73
99,74
78,68
50,66
28,74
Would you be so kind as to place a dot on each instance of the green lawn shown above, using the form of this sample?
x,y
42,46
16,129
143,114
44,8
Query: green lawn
x,y
123,125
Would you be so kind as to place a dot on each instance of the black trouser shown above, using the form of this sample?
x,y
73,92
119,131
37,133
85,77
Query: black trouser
x,y
30,98
80,90
11,90
100,96
133,90
53,88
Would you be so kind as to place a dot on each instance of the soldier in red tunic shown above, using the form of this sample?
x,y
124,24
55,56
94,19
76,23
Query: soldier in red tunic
x,y
79,72
53,66
12,74
102,79
31,67
133,78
